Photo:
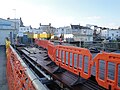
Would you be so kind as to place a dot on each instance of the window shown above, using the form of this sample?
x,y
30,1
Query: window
x,y
112,34
84,31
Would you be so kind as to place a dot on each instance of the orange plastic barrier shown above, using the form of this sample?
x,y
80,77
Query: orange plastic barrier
x,y
69,57
42,43
51,51
16,77
108,58
36,41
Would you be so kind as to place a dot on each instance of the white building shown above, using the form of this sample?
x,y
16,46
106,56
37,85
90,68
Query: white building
x,y
41,29
105,33
45,28
15,20
7,29
82,33
24,29
112,34
19,26
36,30
65,31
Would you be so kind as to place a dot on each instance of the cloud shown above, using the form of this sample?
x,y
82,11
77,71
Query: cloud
x,y
111,25
93,17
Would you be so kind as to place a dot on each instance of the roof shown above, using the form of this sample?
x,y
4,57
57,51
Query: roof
x,y
6,20
75,26
6,24
79,27
83,27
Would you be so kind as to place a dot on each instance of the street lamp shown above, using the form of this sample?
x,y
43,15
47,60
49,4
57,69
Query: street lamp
x,y
14,36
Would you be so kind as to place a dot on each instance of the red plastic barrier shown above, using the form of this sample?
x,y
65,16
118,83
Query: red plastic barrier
x,y
65,58
16,77
108,58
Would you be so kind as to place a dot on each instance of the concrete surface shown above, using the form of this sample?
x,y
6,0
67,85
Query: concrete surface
x,y
3,80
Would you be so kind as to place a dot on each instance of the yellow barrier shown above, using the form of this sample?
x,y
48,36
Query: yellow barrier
x,y
32,35
44,36
7,43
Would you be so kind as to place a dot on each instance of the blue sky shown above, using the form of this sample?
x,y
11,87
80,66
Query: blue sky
x,y
64,12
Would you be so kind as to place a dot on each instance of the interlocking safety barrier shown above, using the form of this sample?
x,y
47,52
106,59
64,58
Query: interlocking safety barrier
x,y
72,61
42,43
76,60
19,76
112,59
51,51
16,76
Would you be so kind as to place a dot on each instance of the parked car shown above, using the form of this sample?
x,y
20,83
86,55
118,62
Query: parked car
x,y
94,50
117,51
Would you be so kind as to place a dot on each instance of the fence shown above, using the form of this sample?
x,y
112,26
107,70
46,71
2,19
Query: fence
x,y
19,76
76,59
42,43
111,61
103,45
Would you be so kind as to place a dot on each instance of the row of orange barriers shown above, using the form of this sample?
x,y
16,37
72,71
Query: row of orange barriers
x,y
79,61
16,76
42,43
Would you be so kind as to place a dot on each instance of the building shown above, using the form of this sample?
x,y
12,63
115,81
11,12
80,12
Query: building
x,y
52,30
23,30
36,30
65,31
75,29
75,32
18,25
45,28
105,33
111,34
15,20
7,29
82,33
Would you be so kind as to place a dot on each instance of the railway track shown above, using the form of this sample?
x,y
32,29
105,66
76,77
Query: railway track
x,y
52,76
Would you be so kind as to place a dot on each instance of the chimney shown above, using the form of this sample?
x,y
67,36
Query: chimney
x,y
8,18
40,24
49,24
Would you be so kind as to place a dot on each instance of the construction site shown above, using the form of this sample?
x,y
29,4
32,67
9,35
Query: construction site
x,y
46,66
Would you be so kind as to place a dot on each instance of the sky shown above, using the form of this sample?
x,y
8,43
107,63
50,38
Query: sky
x,y
61,13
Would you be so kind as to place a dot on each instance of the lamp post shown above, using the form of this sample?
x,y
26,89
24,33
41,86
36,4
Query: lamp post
x,y
14,36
